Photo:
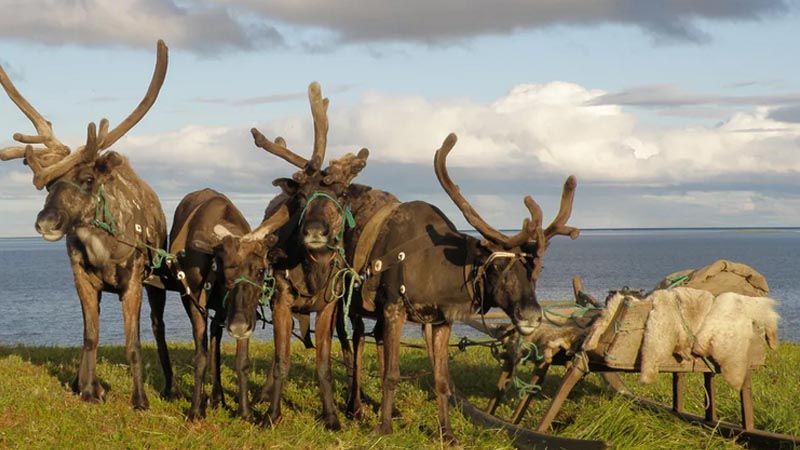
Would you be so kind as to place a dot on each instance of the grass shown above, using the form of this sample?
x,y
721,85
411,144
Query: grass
x,y
37,409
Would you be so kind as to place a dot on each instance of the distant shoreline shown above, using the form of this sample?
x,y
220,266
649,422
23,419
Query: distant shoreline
x,y
787,228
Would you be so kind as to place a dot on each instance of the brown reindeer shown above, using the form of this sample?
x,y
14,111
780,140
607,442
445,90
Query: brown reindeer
x,y
222,267
113,223
311,275
424,270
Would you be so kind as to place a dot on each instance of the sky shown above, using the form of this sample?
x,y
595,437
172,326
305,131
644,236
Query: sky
x,y
669,113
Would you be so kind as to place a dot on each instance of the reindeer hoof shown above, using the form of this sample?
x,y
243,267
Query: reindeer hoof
x,y
217,401
95,393
89,397
355,413
196,415
140,402
245,414
331,422
272,420
449,439
382,429
170,394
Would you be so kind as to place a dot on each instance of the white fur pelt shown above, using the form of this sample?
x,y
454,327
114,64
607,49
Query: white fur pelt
x,y
671,326
551,338
726,334
599,327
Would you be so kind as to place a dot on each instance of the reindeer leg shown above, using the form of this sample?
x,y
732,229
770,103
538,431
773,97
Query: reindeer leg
x,y
217,395
282,328
347,350
131,309
158,300
441,377
354,395
324,335
198,408
86,384
242,371
394,315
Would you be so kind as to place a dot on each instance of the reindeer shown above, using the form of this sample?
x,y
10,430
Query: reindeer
x,y
310,276
221,266
421,268
113,223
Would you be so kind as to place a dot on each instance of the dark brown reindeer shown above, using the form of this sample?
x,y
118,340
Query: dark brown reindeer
x,y
310,276
113,223
422,269
222,265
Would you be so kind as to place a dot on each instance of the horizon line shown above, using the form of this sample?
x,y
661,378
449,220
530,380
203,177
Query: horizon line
x,y
702,228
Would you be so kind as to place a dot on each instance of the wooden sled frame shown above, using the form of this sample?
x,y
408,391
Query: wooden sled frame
x,y
580,364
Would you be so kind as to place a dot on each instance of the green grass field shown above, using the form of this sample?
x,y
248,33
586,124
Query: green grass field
x,y
37,409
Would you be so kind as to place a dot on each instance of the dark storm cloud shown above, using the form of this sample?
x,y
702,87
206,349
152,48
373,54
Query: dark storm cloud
x,y
790,114
666,95
193,25
446,21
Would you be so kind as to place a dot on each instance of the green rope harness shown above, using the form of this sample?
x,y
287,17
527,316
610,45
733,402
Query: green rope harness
x,y
676,281
103,218
267,288
342,286
347,215
531,354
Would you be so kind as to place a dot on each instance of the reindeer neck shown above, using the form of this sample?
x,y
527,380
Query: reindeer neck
x,y
317,271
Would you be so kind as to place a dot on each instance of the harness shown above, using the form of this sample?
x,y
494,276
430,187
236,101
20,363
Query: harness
x,y
347,216
104,220
474,276
342,279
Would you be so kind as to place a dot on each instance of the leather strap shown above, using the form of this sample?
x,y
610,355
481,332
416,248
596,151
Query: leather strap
x,y
369,236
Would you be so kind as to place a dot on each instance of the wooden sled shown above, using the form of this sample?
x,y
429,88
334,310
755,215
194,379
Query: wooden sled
x,y
616,351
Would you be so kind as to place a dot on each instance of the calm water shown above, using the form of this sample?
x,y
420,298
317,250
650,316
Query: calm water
x,y
39,304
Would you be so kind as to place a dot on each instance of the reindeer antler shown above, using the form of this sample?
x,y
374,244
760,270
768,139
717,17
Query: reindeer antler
x,y
43,128
528,229
270,225
55,159
531,228
319,112
559,225
43,174
108,138
278,148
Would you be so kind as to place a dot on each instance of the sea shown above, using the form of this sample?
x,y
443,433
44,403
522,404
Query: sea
x,y
39,305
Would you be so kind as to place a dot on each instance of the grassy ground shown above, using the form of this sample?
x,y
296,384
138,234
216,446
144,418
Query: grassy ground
x,y
37,409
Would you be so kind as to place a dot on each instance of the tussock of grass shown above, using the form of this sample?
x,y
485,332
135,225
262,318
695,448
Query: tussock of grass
x,y
37,409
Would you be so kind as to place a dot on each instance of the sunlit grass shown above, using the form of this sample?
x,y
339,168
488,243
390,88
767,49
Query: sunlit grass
x,y
37,409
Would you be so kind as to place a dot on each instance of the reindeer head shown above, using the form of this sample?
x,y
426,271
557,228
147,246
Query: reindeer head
x,y
509,266
74,179
319,194
243,265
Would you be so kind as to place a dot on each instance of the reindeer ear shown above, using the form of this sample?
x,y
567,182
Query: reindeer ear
x,y
276,254
271,240
108,162
287,185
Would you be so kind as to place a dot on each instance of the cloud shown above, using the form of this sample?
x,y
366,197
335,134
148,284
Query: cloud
x,y
273,98
666,95
448,21
191,24
550,129
743,171
789,114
